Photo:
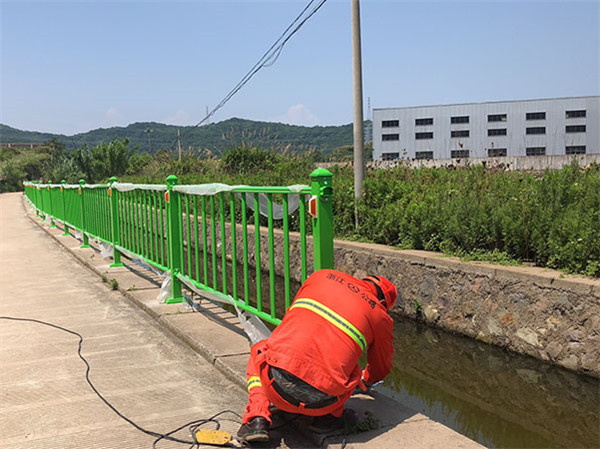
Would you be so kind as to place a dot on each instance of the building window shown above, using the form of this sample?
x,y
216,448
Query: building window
x,y
461,119
390,156
390,123
535,151
497,132
497,152
423,121
536,130
575,128
423,136
577,149
424,155
535,116
575,114
497,118
388,137
460,133
455,154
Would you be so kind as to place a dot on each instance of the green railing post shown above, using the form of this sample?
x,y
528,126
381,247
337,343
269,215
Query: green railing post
x,y
322,189
86,240
42,204
174,239
52,223
113,196
36,200
64,207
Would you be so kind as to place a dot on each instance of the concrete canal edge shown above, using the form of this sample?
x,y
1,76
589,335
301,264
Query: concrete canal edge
x,y
216,335
539,312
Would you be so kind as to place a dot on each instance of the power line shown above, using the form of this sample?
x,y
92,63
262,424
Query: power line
x,y
267,60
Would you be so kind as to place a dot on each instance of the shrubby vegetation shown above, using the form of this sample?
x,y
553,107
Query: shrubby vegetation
x,y
53,162
550,219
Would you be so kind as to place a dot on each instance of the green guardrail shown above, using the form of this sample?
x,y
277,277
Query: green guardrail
x,y
203,234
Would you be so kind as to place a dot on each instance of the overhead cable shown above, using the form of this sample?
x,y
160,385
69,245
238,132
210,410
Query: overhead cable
x,y
268,59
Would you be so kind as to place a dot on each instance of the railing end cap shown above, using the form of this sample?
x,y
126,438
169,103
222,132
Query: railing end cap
x,y
320,172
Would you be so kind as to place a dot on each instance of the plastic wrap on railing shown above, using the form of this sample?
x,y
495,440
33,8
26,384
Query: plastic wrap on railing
x,y
263,204
69,186
95,186
106,249
206,189
255,329
253,326
128,187
165,289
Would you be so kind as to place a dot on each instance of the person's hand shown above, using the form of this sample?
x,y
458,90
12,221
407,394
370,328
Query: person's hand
x,y
358,388
368,387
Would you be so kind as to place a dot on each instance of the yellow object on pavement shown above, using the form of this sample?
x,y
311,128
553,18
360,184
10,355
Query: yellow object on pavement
x,y
216,437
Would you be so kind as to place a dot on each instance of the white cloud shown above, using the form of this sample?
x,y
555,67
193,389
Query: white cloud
x,y
179,118
298,115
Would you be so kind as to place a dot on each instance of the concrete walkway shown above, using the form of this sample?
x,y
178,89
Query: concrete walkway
x,y
198,388
149,375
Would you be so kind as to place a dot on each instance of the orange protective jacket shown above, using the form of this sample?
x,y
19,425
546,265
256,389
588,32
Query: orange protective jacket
x,y
311,344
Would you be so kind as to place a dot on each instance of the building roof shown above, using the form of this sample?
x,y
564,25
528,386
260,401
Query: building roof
x,y
486,102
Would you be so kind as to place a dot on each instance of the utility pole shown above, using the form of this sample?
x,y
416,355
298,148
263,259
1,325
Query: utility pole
x,y
179,143
149,138
359,169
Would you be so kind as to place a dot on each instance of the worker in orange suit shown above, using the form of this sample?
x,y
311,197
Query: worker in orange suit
x,y
309,364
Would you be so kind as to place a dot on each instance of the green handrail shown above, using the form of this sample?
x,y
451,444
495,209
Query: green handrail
x,y
171,227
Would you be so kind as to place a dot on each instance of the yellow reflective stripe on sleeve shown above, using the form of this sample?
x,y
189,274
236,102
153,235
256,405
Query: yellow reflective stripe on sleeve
x,y
254,381
337,320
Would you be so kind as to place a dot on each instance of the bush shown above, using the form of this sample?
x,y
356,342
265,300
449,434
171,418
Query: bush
x,y
550,219
247,160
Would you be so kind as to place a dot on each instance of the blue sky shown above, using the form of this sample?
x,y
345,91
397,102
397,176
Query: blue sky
x,y
68,67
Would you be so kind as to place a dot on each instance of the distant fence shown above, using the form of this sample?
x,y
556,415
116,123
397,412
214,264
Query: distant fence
x,y
22,145
186,229
513,163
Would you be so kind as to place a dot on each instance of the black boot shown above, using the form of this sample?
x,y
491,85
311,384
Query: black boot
x,y
326,424
255,430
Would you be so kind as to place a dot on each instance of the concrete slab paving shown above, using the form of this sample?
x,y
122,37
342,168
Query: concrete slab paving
x,y
146,372
217,336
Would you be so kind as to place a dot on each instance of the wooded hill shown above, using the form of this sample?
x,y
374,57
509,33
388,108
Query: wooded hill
x,y
216,137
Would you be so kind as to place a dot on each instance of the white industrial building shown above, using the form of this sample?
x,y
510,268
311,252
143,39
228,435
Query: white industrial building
x,y
556,126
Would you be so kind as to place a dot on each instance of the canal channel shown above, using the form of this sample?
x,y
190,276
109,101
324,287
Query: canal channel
x,y
496,397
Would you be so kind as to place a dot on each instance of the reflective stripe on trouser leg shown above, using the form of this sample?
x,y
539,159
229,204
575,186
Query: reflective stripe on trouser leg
x,y
253,382
258,402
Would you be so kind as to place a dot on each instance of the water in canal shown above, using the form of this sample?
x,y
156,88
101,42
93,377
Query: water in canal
x,y
493,396
496,397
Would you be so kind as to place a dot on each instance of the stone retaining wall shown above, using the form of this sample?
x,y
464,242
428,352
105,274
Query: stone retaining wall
x,y
534,311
